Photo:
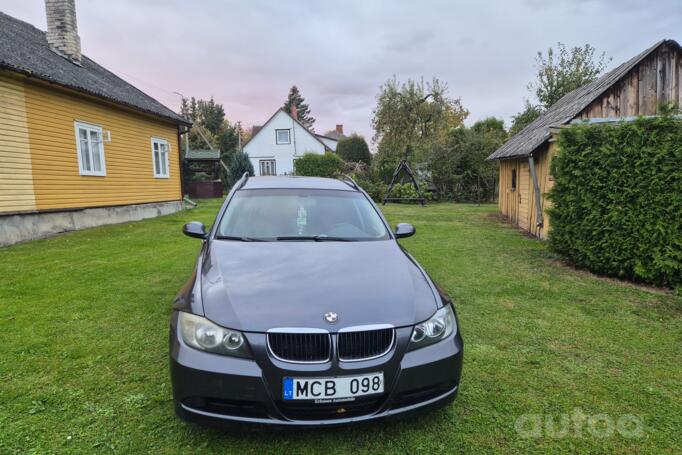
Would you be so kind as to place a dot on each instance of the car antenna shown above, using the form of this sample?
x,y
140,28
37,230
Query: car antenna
x,y
243,180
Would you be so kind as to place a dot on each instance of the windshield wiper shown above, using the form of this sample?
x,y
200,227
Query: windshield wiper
x,y
315,238
241,239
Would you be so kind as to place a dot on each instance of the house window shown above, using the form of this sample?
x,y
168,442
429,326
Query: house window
x,y
160,158
267,167
90,149
513,180
283,136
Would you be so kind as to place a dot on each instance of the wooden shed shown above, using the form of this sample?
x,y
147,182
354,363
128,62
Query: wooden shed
x,y
206,163
637,87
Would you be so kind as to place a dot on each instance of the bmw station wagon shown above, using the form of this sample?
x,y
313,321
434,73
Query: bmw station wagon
x,y
303,309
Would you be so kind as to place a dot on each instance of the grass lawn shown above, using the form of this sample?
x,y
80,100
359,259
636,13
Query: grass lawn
x,y
84,327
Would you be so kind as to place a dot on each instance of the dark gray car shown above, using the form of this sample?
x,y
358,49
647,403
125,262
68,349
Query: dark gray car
x,y
303,309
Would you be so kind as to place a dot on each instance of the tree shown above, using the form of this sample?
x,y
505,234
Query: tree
x,y
210,124
529,113
564,70
445,164
487,136
239,164
302,109
414,114
459,169
354,149
211,115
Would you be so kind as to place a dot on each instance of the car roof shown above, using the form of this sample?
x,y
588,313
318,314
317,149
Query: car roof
x,y
295,182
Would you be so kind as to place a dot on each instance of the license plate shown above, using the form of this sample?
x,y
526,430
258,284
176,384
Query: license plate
x,y
342,388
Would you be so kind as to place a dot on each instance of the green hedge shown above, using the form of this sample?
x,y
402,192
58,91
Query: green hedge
x,y
314,165
618,199
354,149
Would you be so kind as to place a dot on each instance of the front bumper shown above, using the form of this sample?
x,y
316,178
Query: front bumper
x,y
212,389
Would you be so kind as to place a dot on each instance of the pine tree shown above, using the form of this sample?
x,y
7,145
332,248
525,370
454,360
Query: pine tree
x,y
302,109
193,109
239,164
211,115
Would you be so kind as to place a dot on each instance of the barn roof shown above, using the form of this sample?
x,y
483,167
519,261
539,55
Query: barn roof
x,y
563,111
24,49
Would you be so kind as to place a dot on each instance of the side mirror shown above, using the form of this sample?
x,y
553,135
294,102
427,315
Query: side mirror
x,y
403,230
195,229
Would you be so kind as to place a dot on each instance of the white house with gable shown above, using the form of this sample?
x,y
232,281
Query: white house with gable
x,y
275,146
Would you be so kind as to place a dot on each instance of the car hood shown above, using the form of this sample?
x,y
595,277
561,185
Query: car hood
x,y
256,286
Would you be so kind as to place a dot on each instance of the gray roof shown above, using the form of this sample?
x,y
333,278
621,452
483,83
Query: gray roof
x,y
24,49
295,182
563,111
333,135
203,155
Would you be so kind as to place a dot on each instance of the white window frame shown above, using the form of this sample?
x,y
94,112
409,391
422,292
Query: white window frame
x,y
89,127
274,166
160,141
277,131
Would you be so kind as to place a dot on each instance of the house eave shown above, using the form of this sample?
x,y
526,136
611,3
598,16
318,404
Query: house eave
x,y
79,90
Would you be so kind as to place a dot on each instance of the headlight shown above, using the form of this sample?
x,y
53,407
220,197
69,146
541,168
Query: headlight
x,y
202,334
440,325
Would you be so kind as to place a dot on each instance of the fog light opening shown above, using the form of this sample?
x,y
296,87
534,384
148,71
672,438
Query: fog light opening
x,y
233,340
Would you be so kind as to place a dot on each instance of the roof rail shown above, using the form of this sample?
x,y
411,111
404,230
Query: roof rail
x,y
243,180
348,181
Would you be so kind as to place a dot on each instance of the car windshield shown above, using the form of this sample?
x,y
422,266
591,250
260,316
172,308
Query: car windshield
x,y
300,214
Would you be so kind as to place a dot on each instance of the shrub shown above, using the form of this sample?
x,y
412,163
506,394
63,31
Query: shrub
x,y
354,149
375,190
315,165
201,177
406,190
617,199
239,164
367,178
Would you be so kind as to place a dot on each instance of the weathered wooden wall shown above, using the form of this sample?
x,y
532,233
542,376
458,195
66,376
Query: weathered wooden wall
x,y
545,182
519,205
656,80
508,199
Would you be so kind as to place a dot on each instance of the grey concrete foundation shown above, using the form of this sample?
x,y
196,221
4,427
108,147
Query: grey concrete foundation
x,y
31,226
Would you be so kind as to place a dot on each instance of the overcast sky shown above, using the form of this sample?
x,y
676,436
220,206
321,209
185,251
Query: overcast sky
x,y
246,54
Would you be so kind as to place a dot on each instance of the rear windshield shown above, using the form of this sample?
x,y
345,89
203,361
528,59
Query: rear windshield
x,y
300,214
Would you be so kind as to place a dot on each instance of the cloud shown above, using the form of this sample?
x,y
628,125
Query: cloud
x,y
248,54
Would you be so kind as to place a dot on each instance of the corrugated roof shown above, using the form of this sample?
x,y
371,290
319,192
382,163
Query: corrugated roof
x,y
563,111
203,155
24,49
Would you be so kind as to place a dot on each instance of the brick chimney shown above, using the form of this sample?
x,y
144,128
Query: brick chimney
x,y
62,29
339,130
294,112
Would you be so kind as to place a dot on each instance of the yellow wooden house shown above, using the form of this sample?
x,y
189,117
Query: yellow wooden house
x,y
637,87
79,146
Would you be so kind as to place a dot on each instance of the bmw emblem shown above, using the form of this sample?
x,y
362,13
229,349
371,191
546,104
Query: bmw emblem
x,y
331,317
